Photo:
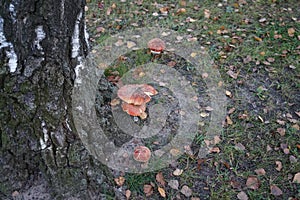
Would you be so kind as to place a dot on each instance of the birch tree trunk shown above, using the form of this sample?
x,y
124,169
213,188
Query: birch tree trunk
x,y
40,45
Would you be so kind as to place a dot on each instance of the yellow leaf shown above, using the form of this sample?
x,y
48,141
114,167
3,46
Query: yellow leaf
x,y
162,192
193,55
229,121
120,181
291,32
257,39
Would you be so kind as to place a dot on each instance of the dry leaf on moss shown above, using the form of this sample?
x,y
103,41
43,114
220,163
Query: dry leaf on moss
x,y
252,183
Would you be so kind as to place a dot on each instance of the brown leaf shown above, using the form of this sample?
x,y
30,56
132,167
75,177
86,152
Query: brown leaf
x,y
276,191
171,63
162,192
281,131
242,196
296,178
199,163
160,178
252,183
186,191
279,165
148,190
260,171
235,184
120,181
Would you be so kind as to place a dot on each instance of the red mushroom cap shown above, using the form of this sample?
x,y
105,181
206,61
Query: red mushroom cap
x,y
141,154
156,45
136,94
134,110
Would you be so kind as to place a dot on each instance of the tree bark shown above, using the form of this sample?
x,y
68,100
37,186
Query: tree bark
x,y
39,145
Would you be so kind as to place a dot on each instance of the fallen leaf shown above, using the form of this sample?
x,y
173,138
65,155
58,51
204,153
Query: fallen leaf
x,y
276,191
228,120
242,196
240,146
160,178
281,122
281,131
175,152
208,108
189,19
235,184
204,75
120,181
108,11
217,139
232,74
115,102
177,172
162,192
231,110
174,184
228,93
119,43
257,38
186,191
291,32
296,178
180,11
148,190
260,171
130,44
247,59
262,20
252,183
293,159
193,54
215,150
127,194
207,13
279,165
171,63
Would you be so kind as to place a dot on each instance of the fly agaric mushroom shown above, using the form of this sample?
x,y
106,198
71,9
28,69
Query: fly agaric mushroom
x,y
141,154
156,45
135,110
136,94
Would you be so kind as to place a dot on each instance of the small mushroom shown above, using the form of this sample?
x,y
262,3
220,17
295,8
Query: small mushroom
x,y
156,45
135,110
141,154
136,94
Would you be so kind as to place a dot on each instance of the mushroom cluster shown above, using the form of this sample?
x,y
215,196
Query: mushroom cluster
x,y
135,97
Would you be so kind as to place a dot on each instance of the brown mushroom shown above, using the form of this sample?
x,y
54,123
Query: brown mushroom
x,y
156,45
141,154
136,94
135,110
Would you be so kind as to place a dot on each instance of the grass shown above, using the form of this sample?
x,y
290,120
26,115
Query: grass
x,y
266,90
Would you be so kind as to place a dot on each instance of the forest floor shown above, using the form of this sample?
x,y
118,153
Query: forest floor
x,y
255,45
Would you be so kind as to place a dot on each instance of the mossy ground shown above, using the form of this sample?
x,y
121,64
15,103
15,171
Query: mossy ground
x,y
252,40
